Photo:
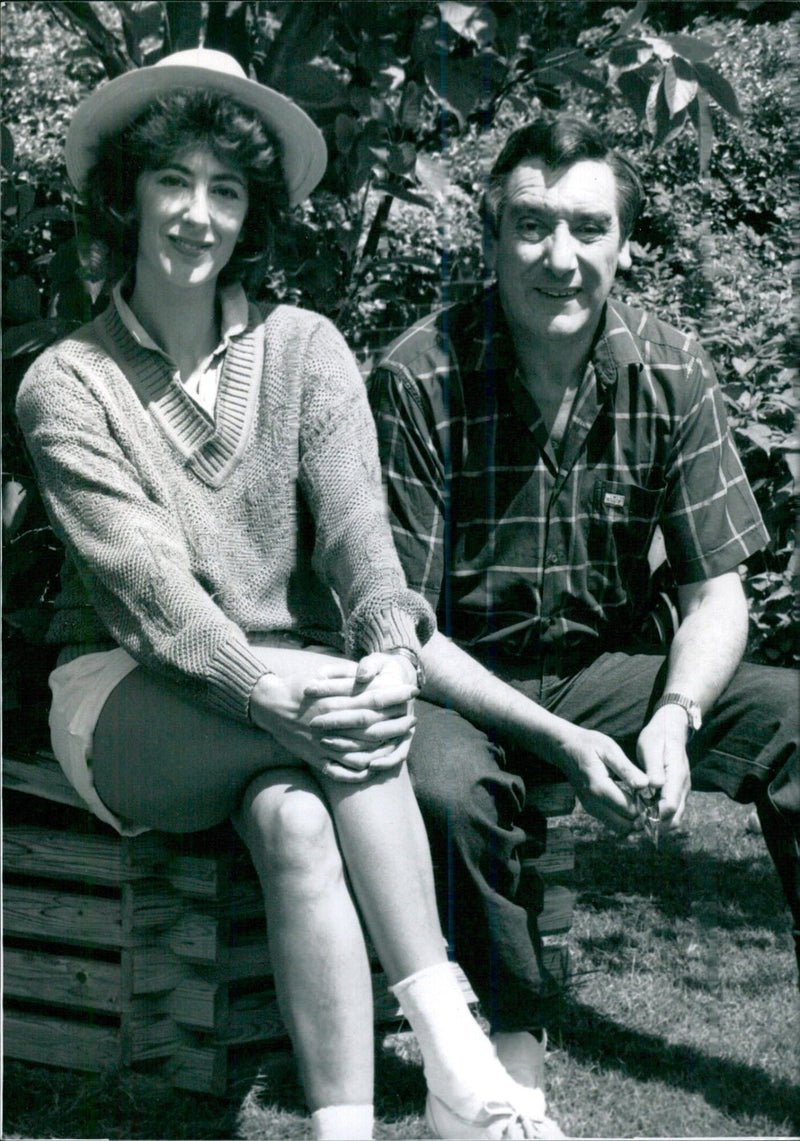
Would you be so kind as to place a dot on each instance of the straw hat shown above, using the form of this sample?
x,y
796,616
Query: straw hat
x,y
113,106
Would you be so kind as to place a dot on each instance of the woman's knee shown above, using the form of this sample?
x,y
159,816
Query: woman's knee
x,y
288,826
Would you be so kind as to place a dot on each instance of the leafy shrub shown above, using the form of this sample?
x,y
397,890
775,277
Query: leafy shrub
x,y
712,255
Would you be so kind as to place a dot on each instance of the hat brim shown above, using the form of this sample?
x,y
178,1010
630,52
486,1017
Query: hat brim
x,y
113,106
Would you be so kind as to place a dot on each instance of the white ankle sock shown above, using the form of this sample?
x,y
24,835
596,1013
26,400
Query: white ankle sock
x,y
460,1065
343,1123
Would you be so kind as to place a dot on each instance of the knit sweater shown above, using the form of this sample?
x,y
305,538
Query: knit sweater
x,y
185,536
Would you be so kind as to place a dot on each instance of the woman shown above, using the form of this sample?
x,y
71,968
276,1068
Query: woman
x,y
212,472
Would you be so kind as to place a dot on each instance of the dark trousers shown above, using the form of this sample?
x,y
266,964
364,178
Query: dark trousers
x,y
471,792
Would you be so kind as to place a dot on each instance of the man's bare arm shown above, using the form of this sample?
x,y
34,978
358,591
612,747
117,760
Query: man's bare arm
x,y
707,648
587,758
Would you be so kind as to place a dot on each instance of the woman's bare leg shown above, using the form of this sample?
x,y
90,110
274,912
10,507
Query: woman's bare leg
x,y
386,852
322,973
162,759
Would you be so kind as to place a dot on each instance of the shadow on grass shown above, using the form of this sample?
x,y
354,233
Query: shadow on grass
x,y
676,879
734,1088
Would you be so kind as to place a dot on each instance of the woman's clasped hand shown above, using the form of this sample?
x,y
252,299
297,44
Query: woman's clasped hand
x,y
349,722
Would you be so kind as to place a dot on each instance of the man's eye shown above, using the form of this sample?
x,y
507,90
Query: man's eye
x,y
589,230
232,193
531,228
170,180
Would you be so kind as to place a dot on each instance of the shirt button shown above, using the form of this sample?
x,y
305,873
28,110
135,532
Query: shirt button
x,y
553,558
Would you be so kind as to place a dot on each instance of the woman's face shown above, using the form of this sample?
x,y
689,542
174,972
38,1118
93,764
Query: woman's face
x,y
190,215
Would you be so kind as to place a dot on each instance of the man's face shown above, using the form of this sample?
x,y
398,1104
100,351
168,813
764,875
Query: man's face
x,y
557,249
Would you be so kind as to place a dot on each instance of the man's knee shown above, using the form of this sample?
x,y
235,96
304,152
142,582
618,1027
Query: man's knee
x,y
457,772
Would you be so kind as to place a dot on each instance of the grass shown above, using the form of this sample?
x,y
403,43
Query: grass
x,y
682,1019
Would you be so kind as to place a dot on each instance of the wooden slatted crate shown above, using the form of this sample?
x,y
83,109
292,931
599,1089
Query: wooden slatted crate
x,y
152,949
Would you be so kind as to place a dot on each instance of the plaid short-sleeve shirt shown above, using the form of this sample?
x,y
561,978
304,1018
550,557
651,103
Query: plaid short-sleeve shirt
x,y
518,547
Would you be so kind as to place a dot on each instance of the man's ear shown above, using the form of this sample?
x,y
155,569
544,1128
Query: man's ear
x,y
625,261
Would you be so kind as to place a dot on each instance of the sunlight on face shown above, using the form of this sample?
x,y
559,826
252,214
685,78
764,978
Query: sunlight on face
x,y
558,247
190,213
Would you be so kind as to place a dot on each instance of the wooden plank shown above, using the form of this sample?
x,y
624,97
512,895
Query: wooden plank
x,y
559,856
249,957
556,914
62,917
64,1042
39,776
61,980
199,877
97,859
199,1002
149,904
556,960
556,799
153,969
253,1017
145,1038
202,1069
198,938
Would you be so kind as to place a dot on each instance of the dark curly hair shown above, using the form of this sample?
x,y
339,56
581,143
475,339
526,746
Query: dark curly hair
x,y
560,142
183,118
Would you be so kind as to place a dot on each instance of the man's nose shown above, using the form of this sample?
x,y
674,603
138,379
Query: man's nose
x,y
561,250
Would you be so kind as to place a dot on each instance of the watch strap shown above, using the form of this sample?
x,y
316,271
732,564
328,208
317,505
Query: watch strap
x,y
691,708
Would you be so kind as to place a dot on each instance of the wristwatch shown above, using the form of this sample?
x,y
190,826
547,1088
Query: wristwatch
x,y
691,708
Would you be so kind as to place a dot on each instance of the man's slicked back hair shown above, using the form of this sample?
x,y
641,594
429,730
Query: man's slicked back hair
x,y
559,142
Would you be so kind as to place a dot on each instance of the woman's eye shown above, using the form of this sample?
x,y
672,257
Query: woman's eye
x,y
232,193
170,180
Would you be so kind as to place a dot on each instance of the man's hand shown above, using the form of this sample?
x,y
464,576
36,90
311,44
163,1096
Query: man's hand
x,y
602,776
661,750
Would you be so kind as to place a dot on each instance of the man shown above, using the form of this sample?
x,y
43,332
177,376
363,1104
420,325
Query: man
x,y
533,440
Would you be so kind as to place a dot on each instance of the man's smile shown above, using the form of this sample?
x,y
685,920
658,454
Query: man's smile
x,y
558,294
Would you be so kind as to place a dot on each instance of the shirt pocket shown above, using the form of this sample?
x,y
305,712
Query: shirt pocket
x,y
622,520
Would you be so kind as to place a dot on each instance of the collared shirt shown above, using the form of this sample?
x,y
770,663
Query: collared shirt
x,y
202,386
520,547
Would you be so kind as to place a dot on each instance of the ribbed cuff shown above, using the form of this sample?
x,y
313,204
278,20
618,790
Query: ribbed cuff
x,y
232,677
383,631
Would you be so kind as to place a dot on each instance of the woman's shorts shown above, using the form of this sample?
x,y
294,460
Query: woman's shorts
x,y
80,690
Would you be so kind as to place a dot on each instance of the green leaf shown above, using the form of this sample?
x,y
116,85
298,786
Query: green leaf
x,y
22,302
402,158
632,19
690,47
184,24
680,85
411,105
635,88
143,28
34,336
314,86
719,89
458,85
701,117
474,22
6,148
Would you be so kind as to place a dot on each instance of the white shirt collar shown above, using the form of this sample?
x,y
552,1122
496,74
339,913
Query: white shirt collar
x,y
233,320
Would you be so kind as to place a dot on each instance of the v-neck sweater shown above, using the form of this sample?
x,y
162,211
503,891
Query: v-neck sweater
x,y
185,538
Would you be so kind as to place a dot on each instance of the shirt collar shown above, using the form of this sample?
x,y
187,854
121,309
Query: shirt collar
x,y
233,316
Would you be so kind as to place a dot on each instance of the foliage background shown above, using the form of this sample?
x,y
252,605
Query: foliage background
x,y
394,228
